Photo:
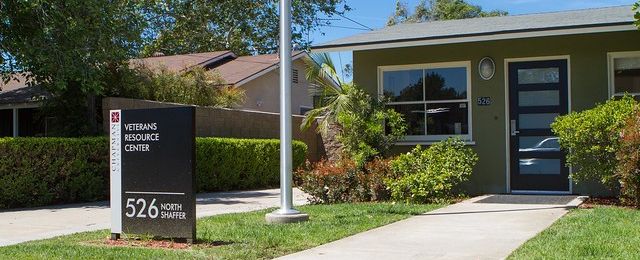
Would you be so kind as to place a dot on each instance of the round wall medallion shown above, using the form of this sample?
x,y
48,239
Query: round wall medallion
x,y
486,68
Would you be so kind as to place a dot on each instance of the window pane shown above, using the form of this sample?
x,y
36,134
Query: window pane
x,y
538,76
446,83
539,98
627,75
539,144
413,116
540,166
537,121
403,85
447,119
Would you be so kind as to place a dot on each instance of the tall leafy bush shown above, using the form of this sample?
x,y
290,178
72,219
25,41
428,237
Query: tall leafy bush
x,y
431,174
629,161
369,129
357,119
591,139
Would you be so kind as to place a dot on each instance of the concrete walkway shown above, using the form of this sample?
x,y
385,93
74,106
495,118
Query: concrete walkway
x,y
22,225
486,227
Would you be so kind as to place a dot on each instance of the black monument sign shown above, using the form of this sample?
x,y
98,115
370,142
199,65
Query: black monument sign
x,y
153,172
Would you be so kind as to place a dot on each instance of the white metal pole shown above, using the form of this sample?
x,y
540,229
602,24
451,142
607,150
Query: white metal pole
x,y
286,164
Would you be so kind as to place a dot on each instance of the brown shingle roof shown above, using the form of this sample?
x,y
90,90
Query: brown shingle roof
x,y
18,91
244,67
177,63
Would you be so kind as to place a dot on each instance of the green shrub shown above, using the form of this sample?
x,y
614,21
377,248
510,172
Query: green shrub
x,y
428,175
344,181
42,171
591,139
239,164
629,161
45,171
363,133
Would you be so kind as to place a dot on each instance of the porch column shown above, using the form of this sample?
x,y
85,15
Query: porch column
x,y
15,122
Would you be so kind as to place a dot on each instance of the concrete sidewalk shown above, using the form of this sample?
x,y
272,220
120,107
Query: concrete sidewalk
x,y
486,227
22,225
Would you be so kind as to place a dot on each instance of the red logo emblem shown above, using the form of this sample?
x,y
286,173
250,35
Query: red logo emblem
x,y
115,117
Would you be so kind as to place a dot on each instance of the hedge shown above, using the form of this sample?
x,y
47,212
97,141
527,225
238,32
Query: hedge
x,y
45,171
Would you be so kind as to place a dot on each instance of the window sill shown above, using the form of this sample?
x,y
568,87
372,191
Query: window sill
x,y
412,143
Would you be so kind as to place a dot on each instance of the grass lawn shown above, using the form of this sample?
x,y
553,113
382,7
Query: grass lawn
x,y
599,233
247,235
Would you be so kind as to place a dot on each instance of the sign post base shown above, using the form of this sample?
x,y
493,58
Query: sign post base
x,y
115,236
277,217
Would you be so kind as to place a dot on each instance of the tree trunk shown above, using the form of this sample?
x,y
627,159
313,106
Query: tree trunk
x,y
91,114
332,146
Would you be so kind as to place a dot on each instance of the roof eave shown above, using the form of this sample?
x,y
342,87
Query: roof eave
x,y
478,37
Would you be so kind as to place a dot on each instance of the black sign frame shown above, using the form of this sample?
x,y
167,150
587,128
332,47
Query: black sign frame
x,y
152,161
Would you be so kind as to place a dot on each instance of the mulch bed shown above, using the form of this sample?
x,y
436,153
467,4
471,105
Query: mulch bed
x,y
595,202
161,244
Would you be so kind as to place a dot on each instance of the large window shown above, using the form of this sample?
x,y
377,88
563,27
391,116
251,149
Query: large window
x,y
434,99
624,73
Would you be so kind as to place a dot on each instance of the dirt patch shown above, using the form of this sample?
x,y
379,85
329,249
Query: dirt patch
x,y
609,201
160,244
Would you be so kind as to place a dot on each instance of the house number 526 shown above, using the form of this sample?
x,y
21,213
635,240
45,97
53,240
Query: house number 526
x,y
151,211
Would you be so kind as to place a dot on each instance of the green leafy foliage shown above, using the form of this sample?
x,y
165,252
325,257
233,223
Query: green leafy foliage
x,y
436,10
44,171
591,139
196,87
369,129
69,48
365,127
629,161
431,174
239,164
242,26
344,181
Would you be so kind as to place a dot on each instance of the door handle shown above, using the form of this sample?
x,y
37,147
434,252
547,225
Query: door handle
x,y
514,132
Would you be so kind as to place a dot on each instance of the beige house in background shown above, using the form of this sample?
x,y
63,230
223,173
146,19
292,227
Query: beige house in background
x,y
257,75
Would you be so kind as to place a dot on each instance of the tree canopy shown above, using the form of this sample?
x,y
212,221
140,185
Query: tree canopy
x,y
79,49
435,10
242,26
68,44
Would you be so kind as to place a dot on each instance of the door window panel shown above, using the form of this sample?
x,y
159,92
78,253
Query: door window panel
x,y
539,98
538,144
539,76
537,121
540,166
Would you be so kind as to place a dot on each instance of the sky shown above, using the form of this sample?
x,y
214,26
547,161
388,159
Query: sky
x,y
374,14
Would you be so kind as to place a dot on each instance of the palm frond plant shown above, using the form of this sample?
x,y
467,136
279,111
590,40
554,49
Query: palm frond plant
x,y
332,91
351,121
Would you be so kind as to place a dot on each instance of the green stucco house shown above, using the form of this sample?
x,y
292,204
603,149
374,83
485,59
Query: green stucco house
x,y
498,83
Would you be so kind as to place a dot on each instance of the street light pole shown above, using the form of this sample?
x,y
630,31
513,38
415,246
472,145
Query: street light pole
x,y
286,213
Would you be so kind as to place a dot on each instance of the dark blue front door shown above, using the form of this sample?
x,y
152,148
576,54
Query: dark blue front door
x,y
538,93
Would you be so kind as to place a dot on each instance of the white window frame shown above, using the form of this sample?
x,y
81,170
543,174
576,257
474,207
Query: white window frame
x,y
611,56
427,139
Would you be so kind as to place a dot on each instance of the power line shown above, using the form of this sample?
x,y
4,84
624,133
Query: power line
x,y
369,28
345,27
